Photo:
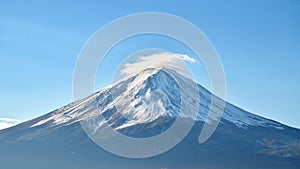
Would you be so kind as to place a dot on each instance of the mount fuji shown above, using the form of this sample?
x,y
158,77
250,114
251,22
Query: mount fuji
x,y
145,105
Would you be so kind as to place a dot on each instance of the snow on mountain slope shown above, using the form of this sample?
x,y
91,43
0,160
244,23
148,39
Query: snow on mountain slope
x,y
143,98
142,106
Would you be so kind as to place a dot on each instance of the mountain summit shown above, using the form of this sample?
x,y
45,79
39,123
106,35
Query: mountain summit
x,y
145,105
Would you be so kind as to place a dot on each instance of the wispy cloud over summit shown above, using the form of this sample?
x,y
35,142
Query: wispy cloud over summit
x,y
159,60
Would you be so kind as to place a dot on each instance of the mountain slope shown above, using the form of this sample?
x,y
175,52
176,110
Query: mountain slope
x,y
145,105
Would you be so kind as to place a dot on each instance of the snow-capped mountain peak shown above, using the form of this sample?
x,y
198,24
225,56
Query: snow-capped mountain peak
x,y
143,98
143,106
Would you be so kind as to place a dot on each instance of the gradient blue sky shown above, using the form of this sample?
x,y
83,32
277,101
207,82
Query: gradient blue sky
x,y
257,41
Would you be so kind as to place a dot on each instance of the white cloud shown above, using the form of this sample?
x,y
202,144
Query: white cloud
x,y
7,122
159,60
186,58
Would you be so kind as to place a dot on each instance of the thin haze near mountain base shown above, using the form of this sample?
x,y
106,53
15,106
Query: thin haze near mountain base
x,y
7,122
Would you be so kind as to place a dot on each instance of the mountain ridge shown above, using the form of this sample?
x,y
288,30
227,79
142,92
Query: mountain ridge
x,y
244,135
204,93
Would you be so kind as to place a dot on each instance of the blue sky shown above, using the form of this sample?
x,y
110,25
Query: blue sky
x,y
257,41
